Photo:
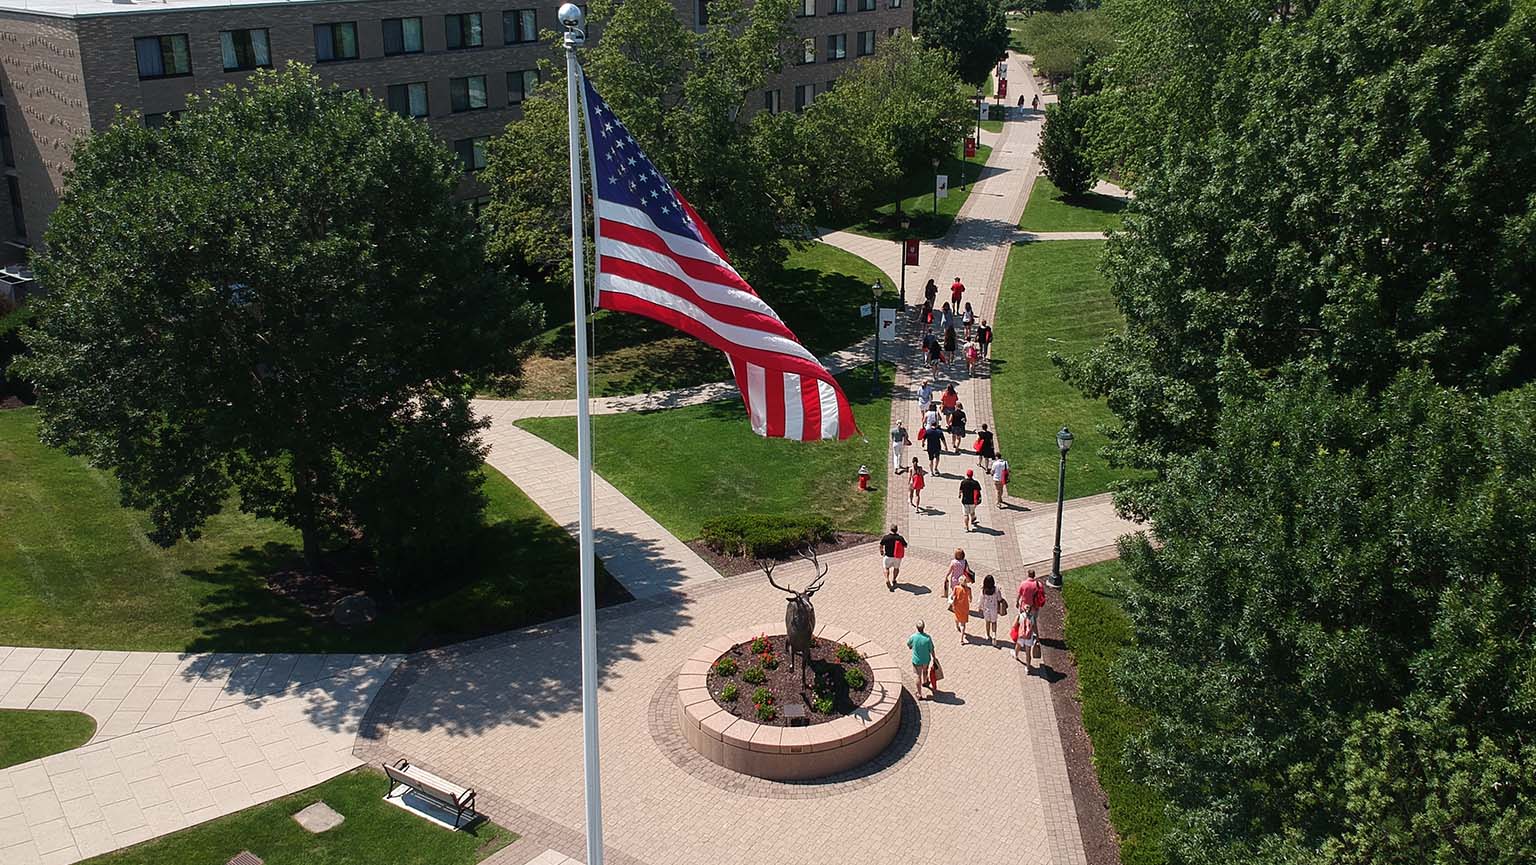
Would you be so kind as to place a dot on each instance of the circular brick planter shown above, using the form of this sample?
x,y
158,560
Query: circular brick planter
x,y
789,753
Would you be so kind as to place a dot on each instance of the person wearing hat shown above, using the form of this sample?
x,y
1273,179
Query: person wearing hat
x,y
970,497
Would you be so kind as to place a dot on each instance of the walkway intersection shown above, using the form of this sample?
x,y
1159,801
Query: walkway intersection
x,y
184,738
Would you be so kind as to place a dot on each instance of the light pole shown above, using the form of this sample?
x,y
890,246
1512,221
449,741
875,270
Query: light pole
x,y
905,223
935,186
979,99
874,388
1063,444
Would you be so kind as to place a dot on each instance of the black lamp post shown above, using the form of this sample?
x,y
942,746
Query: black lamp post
x,y
1063,444
905,224
979,99
935,186
874,388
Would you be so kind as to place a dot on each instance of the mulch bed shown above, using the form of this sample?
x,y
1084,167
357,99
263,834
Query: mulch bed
x,y
730,566
785,684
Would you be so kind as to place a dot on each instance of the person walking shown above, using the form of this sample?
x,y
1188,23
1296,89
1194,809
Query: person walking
x,y
915,486
950,398
956,291
946,319
1024,637
925,395
893,547
935,354
1030,599
967,321
951,344
970,497
922,656
1034,104
956,572
984,337
931,294
932,418
972,358
899,442
957,427
933,440
985,449
992,606
961,606
999,472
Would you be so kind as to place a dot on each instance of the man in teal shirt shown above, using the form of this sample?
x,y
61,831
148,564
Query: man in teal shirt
x,y
922,656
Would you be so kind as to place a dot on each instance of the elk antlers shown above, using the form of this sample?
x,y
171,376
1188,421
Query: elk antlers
x,y
767,567
809,555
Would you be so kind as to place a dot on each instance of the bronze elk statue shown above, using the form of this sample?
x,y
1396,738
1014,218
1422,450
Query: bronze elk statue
x,y
799,614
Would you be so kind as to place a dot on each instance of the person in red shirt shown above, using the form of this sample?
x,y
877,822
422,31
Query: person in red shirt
x,y
1030,599
956,290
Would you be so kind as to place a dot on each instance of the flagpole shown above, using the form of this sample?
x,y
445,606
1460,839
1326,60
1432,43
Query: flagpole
x,y
575,35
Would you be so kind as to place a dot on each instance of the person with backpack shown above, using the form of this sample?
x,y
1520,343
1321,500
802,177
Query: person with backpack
x,y
999,472
970,497
1030,599
894,548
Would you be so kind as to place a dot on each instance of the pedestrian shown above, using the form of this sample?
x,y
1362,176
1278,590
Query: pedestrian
x,y
961,607
957,427
925,395
999,472
956,572
992,606
933,441
950,398
922,655
972,358
894,548
1024,637
931,417
1035,103
951,343
899,442
926,315
946,319
1021,100
931,294
1030,599
956,291
968,320
984,336
915,486
985,450
970,497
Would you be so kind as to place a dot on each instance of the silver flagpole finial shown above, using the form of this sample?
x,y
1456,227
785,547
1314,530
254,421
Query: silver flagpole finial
x,y
572,19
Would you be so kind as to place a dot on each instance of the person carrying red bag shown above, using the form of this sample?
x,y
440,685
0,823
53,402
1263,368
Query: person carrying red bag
x,y
894,548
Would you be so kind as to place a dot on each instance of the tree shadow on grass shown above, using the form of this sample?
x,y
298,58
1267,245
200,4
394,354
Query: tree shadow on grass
x,y
1096,201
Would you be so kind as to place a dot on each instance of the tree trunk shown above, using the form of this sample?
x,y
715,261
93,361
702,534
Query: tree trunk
x,y
305,504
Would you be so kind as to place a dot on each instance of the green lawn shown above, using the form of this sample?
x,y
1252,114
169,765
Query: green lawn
x,y
77,571
684,465
818,295
1049,210
1053,300
917,202
27,734
992,125
374,832
1097,630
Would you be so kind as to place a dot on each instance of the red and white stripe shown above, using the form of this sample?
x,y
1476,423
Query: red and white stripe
x,y
690,285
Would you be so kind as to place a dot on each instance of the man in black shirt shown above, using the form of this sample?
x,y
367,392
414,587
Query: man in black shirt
x,y
893,547
970,497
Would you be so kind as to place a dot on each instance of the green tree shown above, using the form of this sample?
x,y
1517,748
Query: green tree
x,y
685,96
1336,639
972,31
275,297
1363,203
1064,146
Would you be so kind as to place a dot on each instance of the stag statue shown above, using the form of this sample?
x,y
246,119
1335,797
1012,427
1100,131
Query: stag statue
x,y
799,615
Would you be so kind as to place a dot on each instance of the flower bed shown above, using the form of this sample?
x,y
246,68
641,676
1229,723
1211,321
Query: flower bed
x,y
754,680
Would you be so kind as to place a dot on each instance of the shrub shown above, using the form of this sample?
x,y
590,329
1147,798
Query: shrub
x,y
753,675
823,704
848,654
762,697
729,692
725,667
769,660
765,535
759,644
1064,147
854,677
766,713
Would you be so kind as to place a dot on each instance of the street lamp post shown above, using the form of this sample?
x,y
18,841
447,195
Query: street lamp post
x,y
935,186
874,388
979,99
1063,444
905,223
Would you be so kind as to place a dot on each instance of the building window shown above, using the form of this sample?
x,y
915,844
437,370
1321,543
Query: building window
x,y
807,9
520,25
808,51
163,56
771,101
402,36
866,5
837,46
408,100
18,218
471,153
866,45
335,41
7,155
895,4
466,94
463,30
160,119
839,7
804,93
245,50
700,13
475,206
521,84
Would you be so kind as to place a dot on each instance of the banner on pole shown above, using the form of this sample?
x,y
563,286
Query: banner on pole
x,y
866,310
970,147
888,324
909,258
1002,70
1002,88
981,109
941,186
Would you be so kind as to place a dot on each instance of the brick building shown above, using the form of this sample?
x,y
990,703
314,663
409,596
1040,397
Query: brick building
x,y
67,66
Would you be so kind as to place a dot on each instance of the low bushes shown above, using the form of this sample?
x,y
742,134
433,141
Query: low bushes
x,y
763,536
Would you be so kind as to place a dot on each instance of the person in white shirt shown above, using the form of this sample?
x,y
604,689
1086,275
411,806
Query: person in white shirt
x,y
925,396
999,472
899,442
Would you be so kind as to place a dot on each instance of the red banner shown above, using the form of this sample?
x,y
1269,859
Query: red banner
x,y
909,258
970,147
1002,87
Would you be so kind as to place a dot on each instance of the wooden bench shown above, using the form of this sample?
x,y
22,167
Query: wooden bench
x,y
460,800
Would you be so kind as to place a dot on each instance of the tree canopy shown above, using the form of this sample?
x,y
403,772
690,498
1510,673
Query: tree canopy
x,y
972,31
1064,146
275,299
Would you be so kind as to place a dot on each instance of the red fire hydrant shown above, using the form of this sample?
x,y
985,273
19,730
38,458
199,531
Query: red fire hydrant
x,y
864,477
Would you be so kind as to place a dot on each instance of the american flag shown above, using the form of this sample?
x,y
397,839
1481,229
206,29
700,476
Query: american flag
x,y
657,258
